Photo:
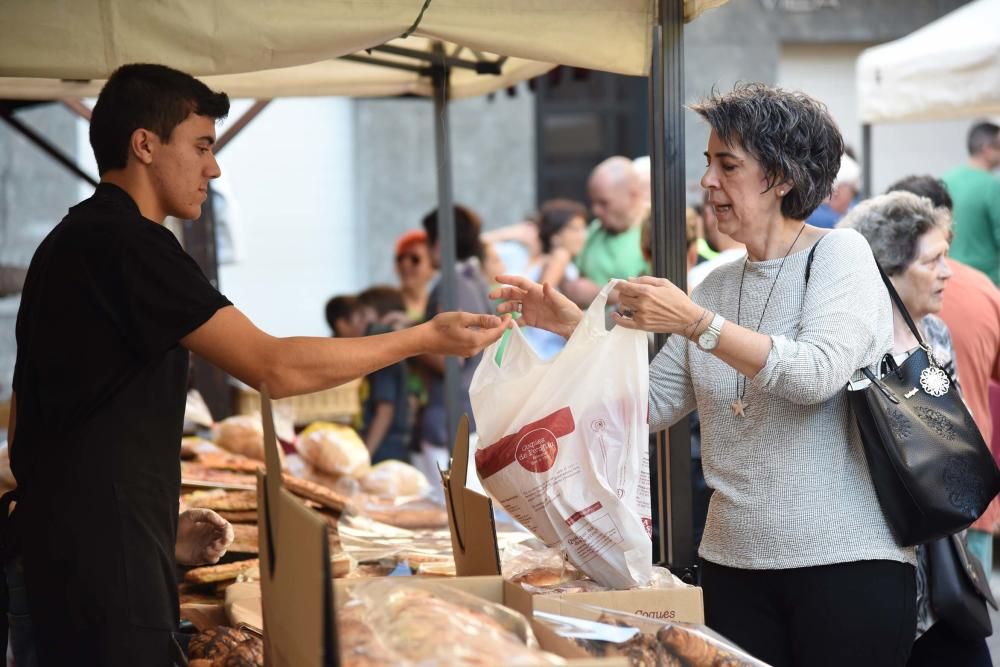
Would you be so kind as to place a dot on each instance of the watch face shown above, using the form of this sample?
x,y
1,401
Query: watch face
x,y
708,340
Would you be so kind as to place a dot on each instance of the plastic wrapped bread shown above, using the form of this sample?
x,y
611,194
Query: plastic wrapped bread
x,y
334,449
402,624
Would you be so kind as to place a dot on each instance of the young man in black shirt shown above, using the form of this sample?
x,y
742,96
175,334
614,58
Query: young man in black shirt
x,y
110,309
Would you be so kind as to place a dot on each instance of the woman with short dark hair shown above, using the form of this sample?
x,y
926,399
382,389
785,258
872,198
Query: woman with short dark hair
x,y
798,563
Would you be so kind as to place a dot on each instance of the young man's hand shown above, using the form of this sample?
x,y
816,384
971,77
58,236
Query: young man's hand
x,y
202,537
464,334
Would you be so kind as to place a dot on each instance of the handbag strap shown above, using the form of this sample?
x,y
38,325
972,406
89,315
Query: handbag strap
x,y
812,253
894,295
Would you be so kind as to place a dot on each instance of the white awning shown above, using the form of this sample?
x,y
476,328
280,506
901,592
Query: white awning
x,y
948,69
270,48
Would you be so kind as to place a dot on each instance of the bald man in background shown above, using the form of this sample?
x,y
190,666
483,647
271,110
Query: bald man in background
x,y
614,248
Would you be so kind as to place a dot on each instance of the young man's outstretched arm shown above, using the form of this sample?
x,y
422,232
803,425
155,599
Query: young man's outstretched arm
x,y
301,365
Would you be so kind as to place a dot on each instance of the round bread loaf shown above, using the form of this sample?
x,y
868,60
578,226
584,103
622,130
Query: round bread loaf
x,y
392,479
240,434
335,449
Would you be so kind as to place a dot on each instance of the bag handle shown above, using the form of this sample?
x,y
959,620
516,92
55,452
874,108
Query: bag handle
x,y
593,319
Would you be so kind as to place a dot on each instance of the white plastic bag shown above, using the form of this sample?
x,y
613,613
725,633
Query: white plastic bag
x,y
563,444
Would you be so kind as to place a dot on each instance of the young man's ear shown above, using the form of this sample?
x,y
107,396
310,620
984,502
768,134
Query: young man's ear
x,y
142,145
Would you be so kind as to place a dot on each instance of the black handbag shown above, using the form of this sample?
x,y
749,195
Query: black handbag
x,y
932,471
959,589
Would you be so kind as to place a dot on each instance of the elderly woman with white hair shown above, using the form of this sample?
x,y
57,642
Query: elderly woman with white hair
x,y
799,566
910,239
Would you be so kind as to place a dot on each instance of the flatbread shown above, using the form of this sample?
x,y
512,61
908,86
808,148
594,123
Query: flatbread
x,y
246,540
248,516
216,573
196,474
316,493
232,501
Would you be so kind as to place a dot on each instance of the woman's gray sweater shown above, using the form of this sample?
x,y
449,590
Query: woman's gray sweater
x,y
791,485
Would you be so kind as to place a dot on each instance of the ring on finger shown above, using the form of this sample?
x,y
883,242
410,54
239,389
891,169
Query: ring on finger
x,y
627,312
519,307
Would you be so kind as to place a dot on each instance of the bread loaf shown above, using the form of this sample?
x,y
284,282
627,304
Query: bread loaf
x,y
240,434
335,449
393,479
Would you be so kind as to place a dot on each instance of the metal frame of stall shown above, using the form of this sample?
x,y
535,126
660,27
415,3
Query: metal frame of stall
x,y
672,453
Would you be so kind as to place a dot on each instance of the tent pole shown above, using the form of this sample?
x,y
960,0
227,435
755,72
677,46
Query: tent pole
x,y
239,124
440,75
671,462
866,160
42,143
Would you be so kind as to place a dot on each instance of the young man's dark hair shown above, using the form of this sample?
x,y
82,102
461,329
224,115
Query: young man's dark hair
x,y
153,97
384,299
982,135
340,308
924,186
467,229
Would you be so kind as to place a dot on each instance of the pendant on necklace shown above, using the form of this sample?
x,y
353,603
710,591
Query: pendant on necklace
x,y
738,406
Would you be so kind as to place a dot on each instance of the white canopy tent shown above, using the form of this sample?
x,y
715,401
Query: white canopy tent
x,y
87,39
54,49
948,69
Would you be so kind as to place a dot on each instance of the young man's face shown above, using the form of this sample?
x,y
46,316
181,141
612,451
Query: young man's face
x,y
182,167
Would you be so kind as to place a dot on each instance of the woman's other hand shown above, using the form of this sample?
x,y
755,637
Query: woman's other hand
x,y
657,305
540,305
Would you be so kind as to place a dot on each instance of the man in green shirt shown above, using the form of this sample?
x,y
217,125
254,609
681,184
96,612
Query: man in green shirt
x,y
613,247
976,194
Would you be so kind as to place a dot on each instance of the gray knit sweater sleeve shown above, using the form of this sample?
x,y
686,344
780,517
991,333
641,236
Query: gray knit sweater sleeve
x,y
840,328
790,480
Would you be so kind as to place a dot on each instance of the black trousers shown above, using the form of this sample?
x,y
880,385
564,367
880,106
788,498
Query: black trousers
x,y
856,614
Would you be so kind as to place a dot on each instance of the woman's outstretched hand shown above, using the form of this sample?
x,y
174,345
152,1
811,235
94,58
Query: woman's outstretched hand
x,y
540,305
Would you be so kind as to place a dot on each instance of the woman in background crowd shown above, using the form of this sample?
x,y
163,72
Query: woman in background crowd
x,y
909,238
562,233
415,271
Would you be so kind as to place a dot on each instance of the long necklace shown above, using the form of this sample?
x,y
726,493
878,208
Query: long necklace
x,y
738,406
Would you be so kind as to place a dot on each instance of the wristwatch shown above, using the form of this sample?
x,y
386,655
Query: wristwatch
x,y
709,338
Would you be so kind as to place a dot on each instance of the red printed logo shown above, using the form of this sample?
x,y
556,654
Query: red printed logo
x,y
534,446
537,450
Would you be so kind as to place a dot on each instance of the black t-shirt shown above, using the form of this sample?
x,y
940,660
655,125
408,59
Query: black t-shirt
x,y
100,381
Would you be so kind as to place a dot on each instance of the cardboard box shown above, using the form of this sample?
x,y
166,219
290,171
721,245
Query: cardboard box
x,y
295,580
474,542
